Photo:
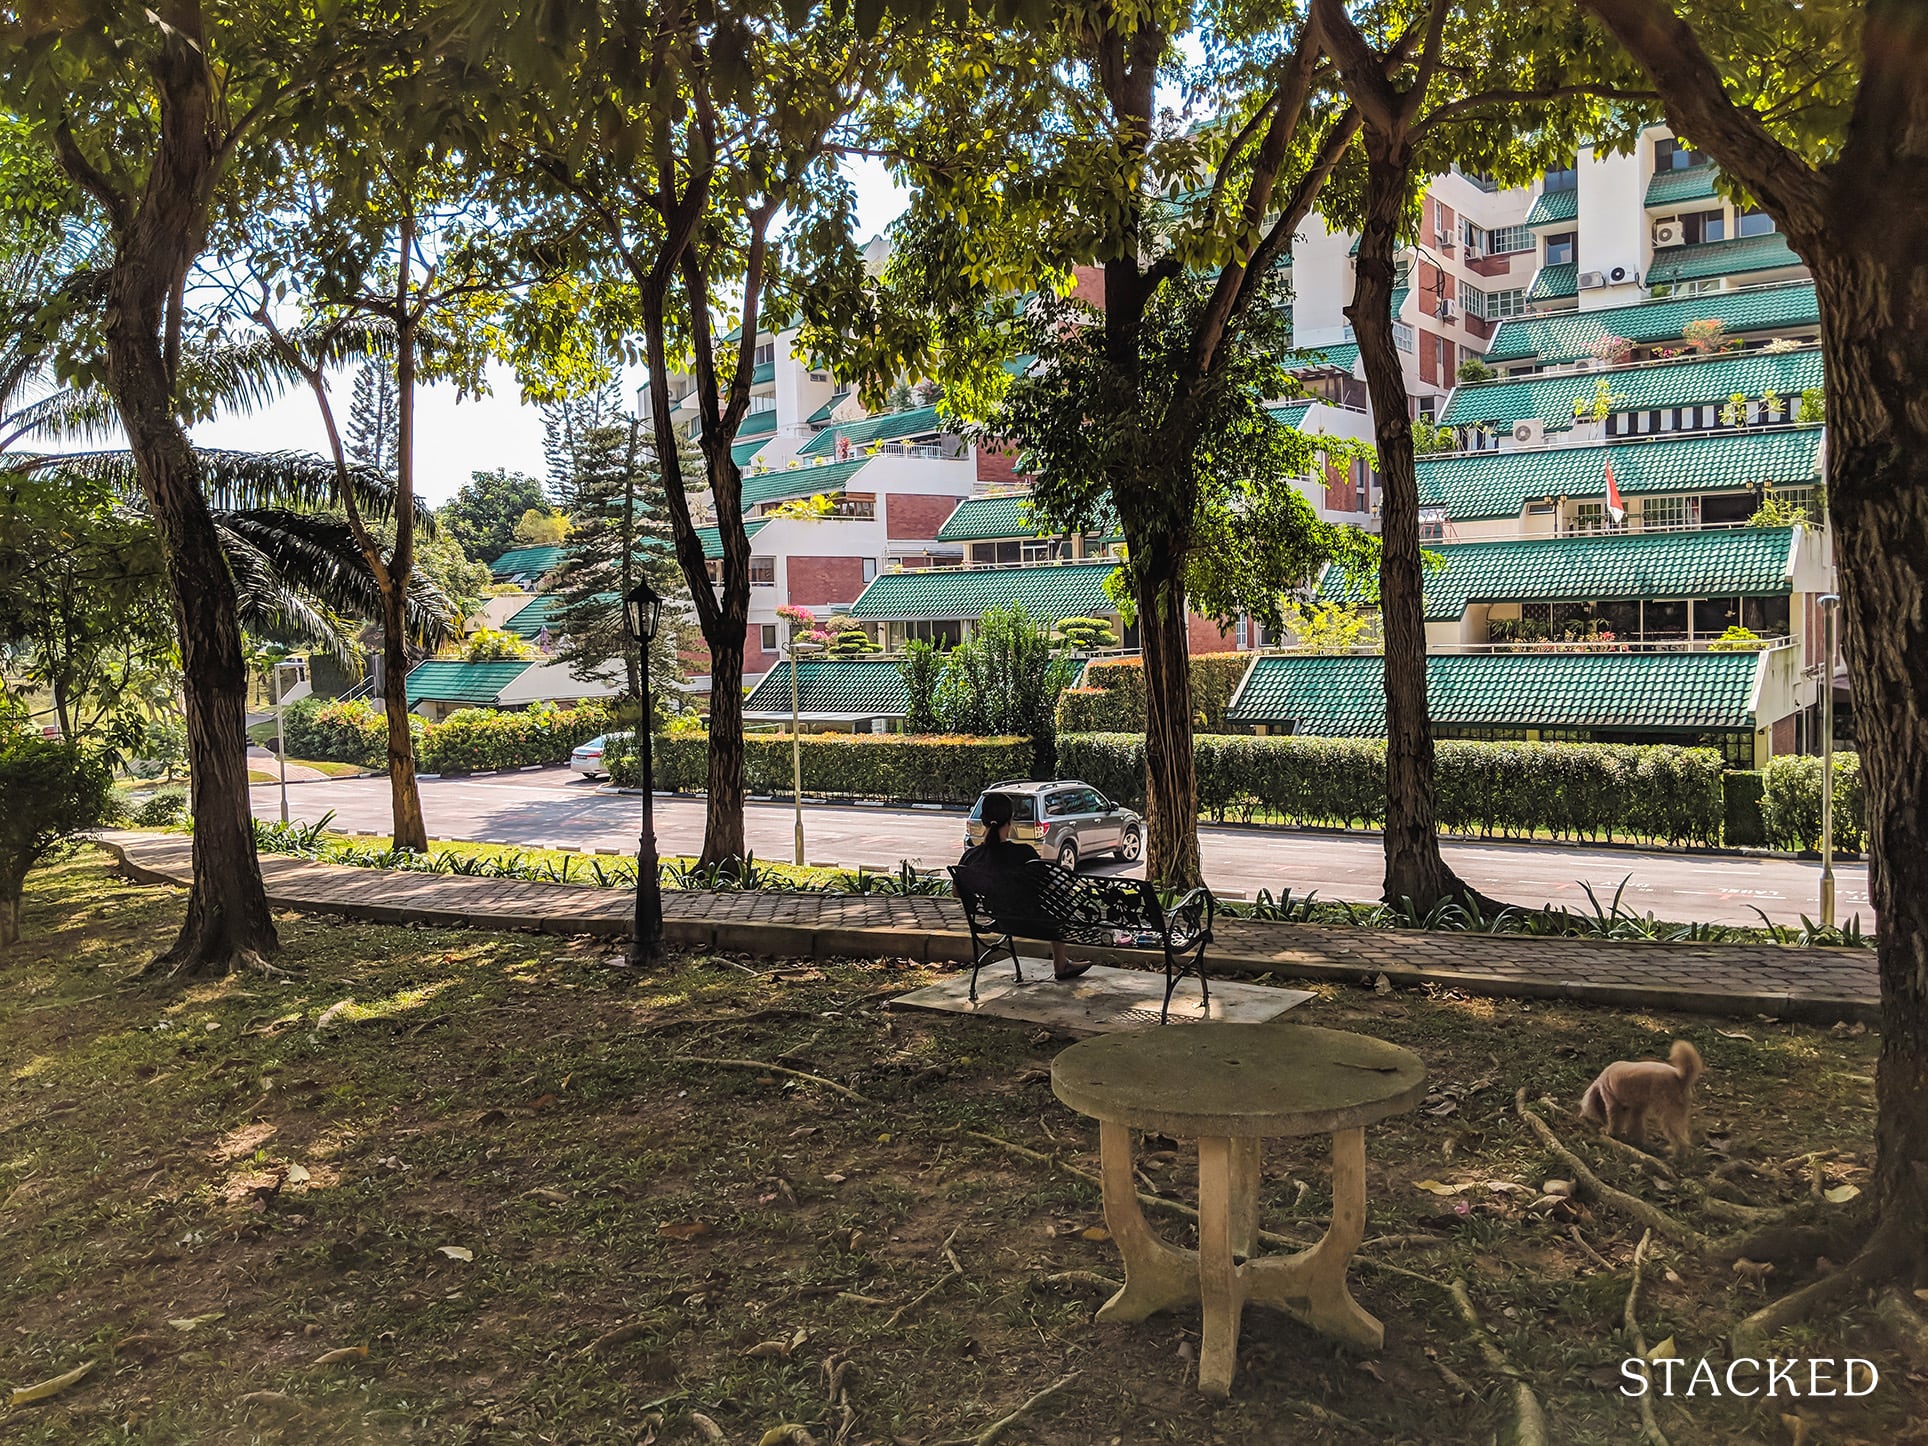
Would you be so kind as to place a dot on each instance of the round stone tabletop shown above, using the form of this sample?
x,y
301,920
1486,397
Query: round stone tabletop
x,y
1238,1080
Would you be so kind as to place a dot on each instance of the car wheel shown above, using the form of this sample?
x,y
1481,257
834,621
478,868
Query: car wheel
x,y
1133,846
1068,856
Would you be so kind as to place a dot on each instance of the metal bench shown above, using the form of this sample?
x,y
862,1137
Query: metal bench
x,y
1048,903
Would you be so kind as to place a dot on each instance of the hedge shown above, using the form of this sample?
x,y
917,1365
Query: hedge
x,y
894,767
1741,825
468,740
1572,790
1110,697
1791,802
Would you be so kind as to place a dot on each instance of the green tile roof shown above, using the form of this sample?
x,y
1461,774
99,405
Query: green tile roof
x,y
1048,591
526,562
1553,340
1291,413
765,372
833,688
1553,207
1399,295
1738,257
1344,697
742,451
450,681
821,416
1551,283
539,613
886,428
990,517
1691,183
1645,387
1338,356
1726,562
712,538
758,424
1498,484
801,481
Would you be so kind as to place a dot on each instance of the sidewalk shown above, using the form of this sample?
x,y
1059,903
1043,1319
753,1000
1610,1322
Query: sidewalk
x,y
1814,985
263,760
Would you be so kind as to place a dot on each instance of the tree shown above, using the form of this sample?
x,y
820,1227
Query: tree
x,y
921,667
1087,635
1818,113
1499,87
49,791
374,420
483,515
496,645
1005,680
540,527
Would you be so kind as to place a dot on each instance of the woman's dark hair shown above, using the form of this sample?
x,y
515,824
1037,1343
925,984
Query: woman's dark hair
x,y
997,810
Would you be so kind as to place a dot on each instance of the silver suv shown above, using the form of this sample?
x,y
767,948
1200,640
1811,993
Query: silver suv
x,y
1067,820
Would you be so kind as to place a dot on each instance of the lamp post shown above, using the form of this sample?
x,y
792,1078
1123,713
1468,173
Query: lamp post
x,y
285,693
797,648
643,610
1829,603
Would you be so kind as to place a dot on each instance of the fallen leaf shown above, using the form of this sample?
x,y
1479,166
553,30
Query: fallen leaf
x,y
542,1102
334,1013
195,1322
1095,1232
346,1353
689,1230
1437,1187
621,1335
836,1179
1558,1187
786,1435
298,1175
544,1192
1663,1352
1840,1194
1735,1034
1382,985
27,1395
709,1430
799,976
457,1252
273,1401
1508,1187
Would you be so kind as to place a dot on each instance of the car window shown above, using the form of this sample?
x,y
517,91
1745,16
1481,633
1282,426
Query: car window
x,y
1061,803
1091,801
1024,807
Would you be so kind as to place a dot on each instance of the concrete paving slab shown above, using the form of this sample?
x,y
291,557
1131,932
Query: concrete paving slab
x,y
1102,1001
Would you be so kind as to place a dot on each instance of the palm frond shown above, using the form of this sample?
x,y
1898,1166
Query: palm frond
x,y
316,555
71,414
253,371
234,479
266,603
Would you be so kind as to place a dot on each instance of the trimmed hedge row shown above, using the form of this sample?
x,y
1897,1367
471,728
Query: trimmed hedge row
x,y
1791,803
467,741
1572,790
1110,697
895,767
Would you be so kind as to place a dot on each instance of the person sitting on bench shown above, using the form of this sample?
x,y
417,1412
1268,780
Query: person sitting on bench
x,y
1002,869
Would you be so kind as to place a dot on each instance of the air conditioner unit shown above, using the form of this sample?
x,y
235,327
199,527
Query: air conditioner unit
x,y
1667,233
1444,311
1617,275
1446,239
1529,433
1591,281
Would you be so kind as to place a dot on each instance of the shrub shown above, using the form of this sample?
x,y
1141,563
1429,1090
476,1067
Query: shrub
x,y
1110,697
1741,825
892,767
161,810
495,645
1574,790
1791,802
340,732
921,667
49,791
472,739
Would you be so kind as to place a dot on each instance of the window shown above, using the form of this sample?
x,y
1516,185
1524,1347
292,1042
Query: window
x,y
1590,517
1432,524
1672,155
1402,272
1700,226
1058,805
1502,304
763,572
1402,336
769,637
1508,240
870,569
766,353
1561,248
1484,181
1754,223
1562,178
1472,300
1477,240
1661,512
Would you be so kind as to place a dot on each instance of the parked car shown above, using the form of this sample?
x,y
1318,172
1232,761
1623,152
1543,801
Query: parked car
x,y
587,759
1067,820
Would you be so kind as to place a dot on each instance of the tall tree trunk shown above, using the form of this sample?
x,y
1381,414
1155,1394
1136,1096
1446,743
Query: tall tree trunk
x,y
723,814
1171,776
1414,868
405,794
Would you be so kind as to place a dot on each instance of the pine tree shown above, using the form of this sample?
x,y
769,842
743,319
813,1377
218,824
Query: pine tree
x,y
566,428
374,420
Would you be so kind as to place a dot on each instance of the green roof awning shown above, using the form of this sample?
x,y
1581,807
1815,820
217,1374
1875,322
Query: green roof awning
x,y
1344,697
712,537
990,517
1553,207
1555,283
1290,413
821,417
530,562
758,424
742,451
1691,183
1648,386
442,680
1339,356
538,614
801,481
1048,591
1476,485
1398,303
1552,340
764,372
832,689
1720,562
1739,257
888,427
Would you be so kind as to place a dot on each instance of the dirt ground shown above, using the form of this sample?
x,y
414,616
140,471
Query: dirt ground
x,y
456,1186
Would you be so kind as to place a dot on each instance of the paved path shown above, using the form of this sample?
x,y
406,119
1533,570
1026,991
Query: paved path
x,y
264,760
559,807
1821,985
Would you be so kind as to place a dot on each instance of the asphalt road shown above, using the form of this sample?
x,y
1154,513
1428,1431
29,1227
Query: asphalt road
x,y
562,809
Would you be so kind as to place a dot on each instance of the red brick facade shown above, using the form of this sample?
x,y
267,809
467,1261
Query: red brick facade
x,y
1340,494
994,464
1090,285
755,661
817,581
914,514
1783,736
1206,636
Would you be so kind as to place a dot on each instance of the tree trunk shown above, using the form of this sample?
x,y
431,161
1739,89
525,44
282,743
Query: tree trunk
x,y
1171,777
723,815
9,921
1414,868
405,795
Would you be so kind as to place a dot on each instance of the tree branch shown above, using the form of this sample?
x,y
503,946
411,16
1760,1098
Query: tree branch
x,y
1452,110
89,177
1362,69
1429,58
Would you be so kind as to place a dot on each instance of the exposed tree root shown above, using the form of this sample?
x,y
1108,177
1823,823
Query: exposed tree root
x,y
1887,1250
1650,1431
1581,1241
1905,1328
1529,1421
956,1273
757,1064
1633,1154
1783,1241
996,1429
1629,1205
1083,1277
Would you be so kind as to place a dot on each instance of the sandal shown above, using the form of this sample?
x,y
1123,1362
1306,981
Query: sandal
x,y
1072,972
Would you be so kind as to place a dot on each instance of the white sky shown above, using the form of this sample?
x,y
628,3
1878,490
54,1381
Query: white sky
x,y
455,438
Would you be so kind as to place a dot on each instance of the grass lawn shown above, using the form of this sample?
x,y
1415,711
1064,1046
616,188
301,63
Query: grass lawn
x,y
488,1201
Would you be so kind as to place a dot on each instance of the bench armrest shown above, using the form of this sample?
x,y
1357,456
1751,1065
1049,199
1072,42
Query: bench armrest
x,y
1191,917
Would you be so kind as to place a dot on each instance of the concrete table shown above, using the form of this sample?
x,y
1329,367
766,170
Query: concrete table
x,y
1230,1087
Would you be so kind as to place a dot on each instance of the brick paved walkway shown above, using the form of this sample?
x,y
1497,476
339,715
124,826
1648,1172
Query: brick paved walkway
x,y
1821,985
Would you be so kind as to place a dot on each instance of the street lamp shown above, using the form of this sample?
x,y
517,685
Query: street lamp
x,y
1830,602
643,610
797,648
297,688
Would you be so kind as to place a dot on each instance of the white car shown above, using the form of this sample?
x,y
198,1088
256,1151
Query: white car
x,y
587,759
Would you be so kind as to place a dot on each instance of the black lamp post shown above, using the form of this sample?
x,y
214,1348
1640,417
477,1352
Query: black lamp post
x,y
643,608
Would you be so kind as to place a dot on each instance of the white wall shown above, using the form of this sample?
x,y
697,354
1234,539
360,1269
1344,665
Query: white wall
x,y
1321,283
1613,221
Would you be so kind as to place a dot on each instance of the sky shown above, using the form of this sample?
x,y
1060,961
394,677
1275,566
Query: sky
x,y
456,437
